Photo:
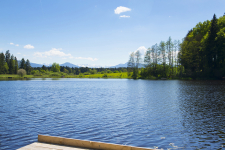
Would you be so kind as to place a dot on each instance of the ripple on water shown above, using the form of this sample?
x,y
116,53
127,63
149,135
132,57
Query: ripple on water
x,y
163,114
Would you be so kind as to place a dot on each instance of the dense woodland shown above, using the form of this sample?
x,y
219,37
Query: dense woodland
x,y
200,55
10,65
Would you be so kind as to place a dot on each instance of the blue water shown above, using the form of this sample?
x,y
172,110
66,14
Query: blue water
x,y
165,114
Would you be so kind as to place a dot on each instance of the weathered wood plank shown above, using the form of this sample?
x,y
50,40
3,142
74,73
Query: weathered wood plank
x,y
85,144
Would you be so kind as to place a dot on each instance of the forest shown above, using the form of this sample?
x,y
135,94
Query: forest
x,y
200,55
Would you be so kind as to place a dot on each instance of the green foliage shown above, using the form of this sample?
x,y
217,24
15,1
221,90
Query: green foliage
x,y
105,76
203,50
55,67
2,63
28,68
65,70
21,72
6,68
22,64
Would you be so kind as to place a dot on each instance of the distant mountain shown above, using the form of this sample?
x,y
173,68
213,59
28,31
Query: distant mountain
x,y
119,66
125,65
32,64
69,65
35,65
92,66
82,65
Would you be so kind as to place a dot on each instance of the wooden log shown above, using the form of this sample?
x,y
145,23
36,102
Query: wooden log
x,y
85,144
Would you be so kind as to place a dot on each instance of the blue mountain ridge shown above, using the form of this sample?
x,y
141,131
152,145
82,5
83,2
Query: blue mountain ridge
x,y
76,66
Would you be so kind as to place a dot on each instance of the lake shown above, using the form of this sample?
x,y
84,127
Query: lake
x,y
146,113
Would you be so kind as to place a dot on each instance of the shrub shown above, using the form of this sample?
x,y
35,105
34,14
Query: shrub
x,y
105,76
21,72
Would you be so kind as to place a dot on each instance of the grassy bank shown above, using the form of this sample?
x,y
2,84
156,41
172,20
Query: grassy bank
x,y
65,75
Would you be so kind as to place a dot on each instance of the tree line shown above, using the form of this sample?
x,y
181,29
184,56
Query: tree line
x,y
9,64
201,54
75,70
160,60
203,50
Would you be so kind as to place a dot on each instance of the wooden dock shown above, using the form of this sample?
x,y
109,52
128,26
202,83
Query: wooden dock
x,y
58,143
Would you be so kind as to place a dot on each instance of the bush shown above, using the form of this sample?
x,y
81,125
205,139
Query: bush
x,y
105,76
21,72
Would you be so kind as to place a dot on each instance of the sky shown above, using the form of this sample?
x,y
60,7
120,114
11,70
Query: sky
x,y
96,32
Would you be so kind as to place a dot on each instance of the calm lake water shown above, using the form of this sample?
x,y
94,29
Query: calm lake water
x,y
164,114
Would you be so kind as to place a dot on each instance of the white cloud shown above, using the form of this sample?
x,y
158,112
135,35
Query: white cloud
x,y
28,46
56,52
142,50
18,53
52,52
11,43
87,58
121,9
124,16
17,45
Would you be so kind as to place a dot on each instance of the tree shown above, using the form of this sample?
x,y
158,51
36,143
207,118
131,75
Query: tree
x,y
11,65
147,59
163,55
6,68
22,64
131,64
21,72
44,68
211,49
16,66
27,66
2,63
55,67
7,57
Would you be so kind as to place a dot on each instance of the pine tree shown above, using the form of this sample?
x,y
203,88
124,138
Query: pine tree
x,y
2,63
16,66
27,66
7,56
211,49
11,65
22,64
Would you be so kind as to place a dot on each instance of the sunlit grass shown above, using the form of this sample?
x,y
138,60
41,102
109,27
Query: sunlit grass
x,y
122,75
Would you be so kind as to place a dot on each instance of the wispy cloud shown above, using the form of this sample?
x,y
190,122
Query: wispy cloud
x,y
11,43
121,9
17,45
124,16
28,46
19,53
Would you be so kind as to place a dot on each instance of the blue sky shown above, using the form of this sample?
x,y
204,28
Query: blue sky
x,y
91,31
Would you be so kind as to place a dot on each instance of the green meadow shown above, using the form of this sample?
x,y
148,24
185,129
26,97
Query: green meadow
x,y
65,75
